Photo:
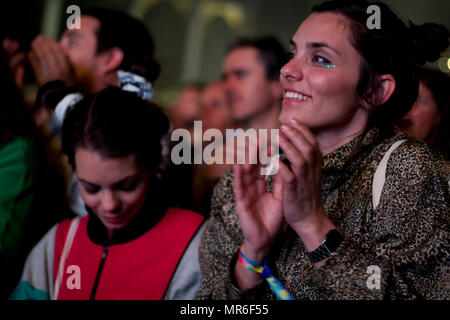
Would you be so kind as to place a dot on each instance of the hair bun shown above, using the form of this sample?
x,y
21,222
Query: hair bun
x,y
148,68
153,69
428,41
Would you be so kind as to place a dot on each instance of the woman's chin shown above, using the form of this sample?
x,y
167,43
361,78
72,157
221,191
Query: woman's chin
x,y
114,222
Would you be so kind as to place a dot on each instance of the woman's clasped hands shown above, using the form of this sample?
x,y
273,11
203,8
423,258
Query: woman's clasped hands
x,y
295,196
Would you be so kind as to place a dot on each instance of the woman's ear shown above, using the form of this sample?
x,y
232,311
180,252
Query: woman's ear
x,y
385,86
111,60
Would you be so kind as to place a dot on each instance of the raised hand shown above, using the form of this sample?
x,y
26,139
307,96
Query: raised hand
x,y
16,58
302,183
49,62
259,211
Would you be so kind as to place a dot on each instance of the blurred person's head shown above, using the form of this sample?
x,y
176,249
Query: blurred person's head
x,y
251,72
15,119
429,118
215,110
116,153
106,42
186,108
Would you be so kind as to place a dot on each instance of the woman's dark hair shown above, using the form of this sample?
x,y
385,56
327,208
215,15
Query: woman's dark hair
x,y
15,119
439,85
116,123
394,49
118,29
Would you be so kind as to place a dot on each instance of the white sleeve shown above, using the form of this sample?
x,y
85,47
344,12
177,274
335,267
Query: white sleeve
x,y
186,279
38,270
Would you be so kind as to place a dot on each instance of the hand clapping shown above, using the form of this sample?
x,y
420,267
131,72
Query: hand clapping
x,y
296,195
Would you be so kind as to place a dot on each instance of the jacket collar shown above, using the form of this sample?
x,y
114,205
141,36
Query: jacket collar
x,y
345,155
148,217
352,157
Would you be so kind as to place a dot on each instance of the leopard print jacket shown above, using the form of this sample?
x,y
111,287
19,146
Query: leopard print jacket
x,y
406,237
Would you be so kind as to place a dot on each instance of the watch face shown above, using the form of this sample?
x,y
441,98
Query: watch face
x,y
334,239
327,249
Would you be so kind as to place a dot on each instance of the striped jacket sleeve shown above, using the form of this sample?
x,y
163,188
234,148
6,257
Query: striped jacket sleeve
x,y
37,278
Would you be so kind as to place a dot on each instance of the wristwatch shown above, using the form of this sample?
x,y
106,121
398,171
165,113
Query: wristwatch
x,y
328,247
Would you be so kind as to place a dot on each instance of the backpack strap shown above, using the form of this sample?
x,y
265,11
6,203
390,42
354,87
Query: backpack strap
x,y
380,174
67,245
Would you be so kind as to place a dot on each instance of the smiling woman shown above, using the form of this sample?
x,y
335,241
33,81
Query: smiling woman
x,y
131,245
351,196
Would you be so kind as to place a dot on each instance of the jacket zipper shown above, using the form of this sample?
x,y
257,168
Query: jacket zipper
x,y
99,272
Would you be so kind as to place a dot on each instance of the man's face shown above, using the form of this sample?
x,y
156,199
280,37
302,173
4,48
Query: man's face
x,y
422,121
186,109
215,110
249,91
80,45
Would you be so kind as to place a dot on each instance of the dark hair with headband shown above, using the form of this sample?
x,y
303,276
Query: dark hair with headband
x,y
394,49
116,123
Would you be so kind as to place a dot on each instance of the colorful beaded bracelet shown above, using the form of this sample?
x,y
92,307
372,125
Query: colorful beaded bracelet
x,y
276,286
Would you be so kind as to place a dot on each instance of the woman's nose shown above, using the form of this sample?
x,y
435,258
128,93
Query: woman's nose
x,y
291,71
110,202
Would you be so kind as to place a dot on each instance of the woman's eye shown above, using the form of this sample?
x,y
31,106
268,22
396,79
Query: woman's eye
x,y
69,40
241,74
90,189
291,55
320,59
129,187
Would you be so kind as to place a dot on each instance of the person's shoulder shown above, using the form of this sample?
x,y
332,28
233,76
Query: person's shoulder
x,y
20,146
223,192
62,227
47,241
228,176
225,182
19,156
184,216
411,151
183,212
418,158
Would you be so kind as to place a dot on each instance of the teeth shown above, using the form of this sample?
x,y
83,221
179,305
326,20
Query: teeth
x,y
295,95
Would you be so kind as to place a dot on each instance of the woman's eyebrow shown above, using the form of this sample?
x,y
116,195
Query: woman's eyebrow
x,y
87,182
133,176
321,45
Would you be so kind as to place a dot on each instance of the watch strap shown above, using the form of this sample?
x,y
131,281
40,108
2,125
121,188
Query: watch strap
x,y
328,246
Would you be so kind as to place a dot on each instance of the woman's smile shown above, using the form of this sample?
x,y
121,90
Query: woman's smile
x,y
292,98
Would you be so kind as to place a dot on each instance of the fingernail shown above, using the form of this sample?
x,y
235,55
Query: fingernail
x,y
285,128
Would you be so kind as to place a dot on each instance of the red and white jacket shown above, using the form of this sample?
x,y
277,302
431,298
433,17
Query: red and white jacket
x,y
146,260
